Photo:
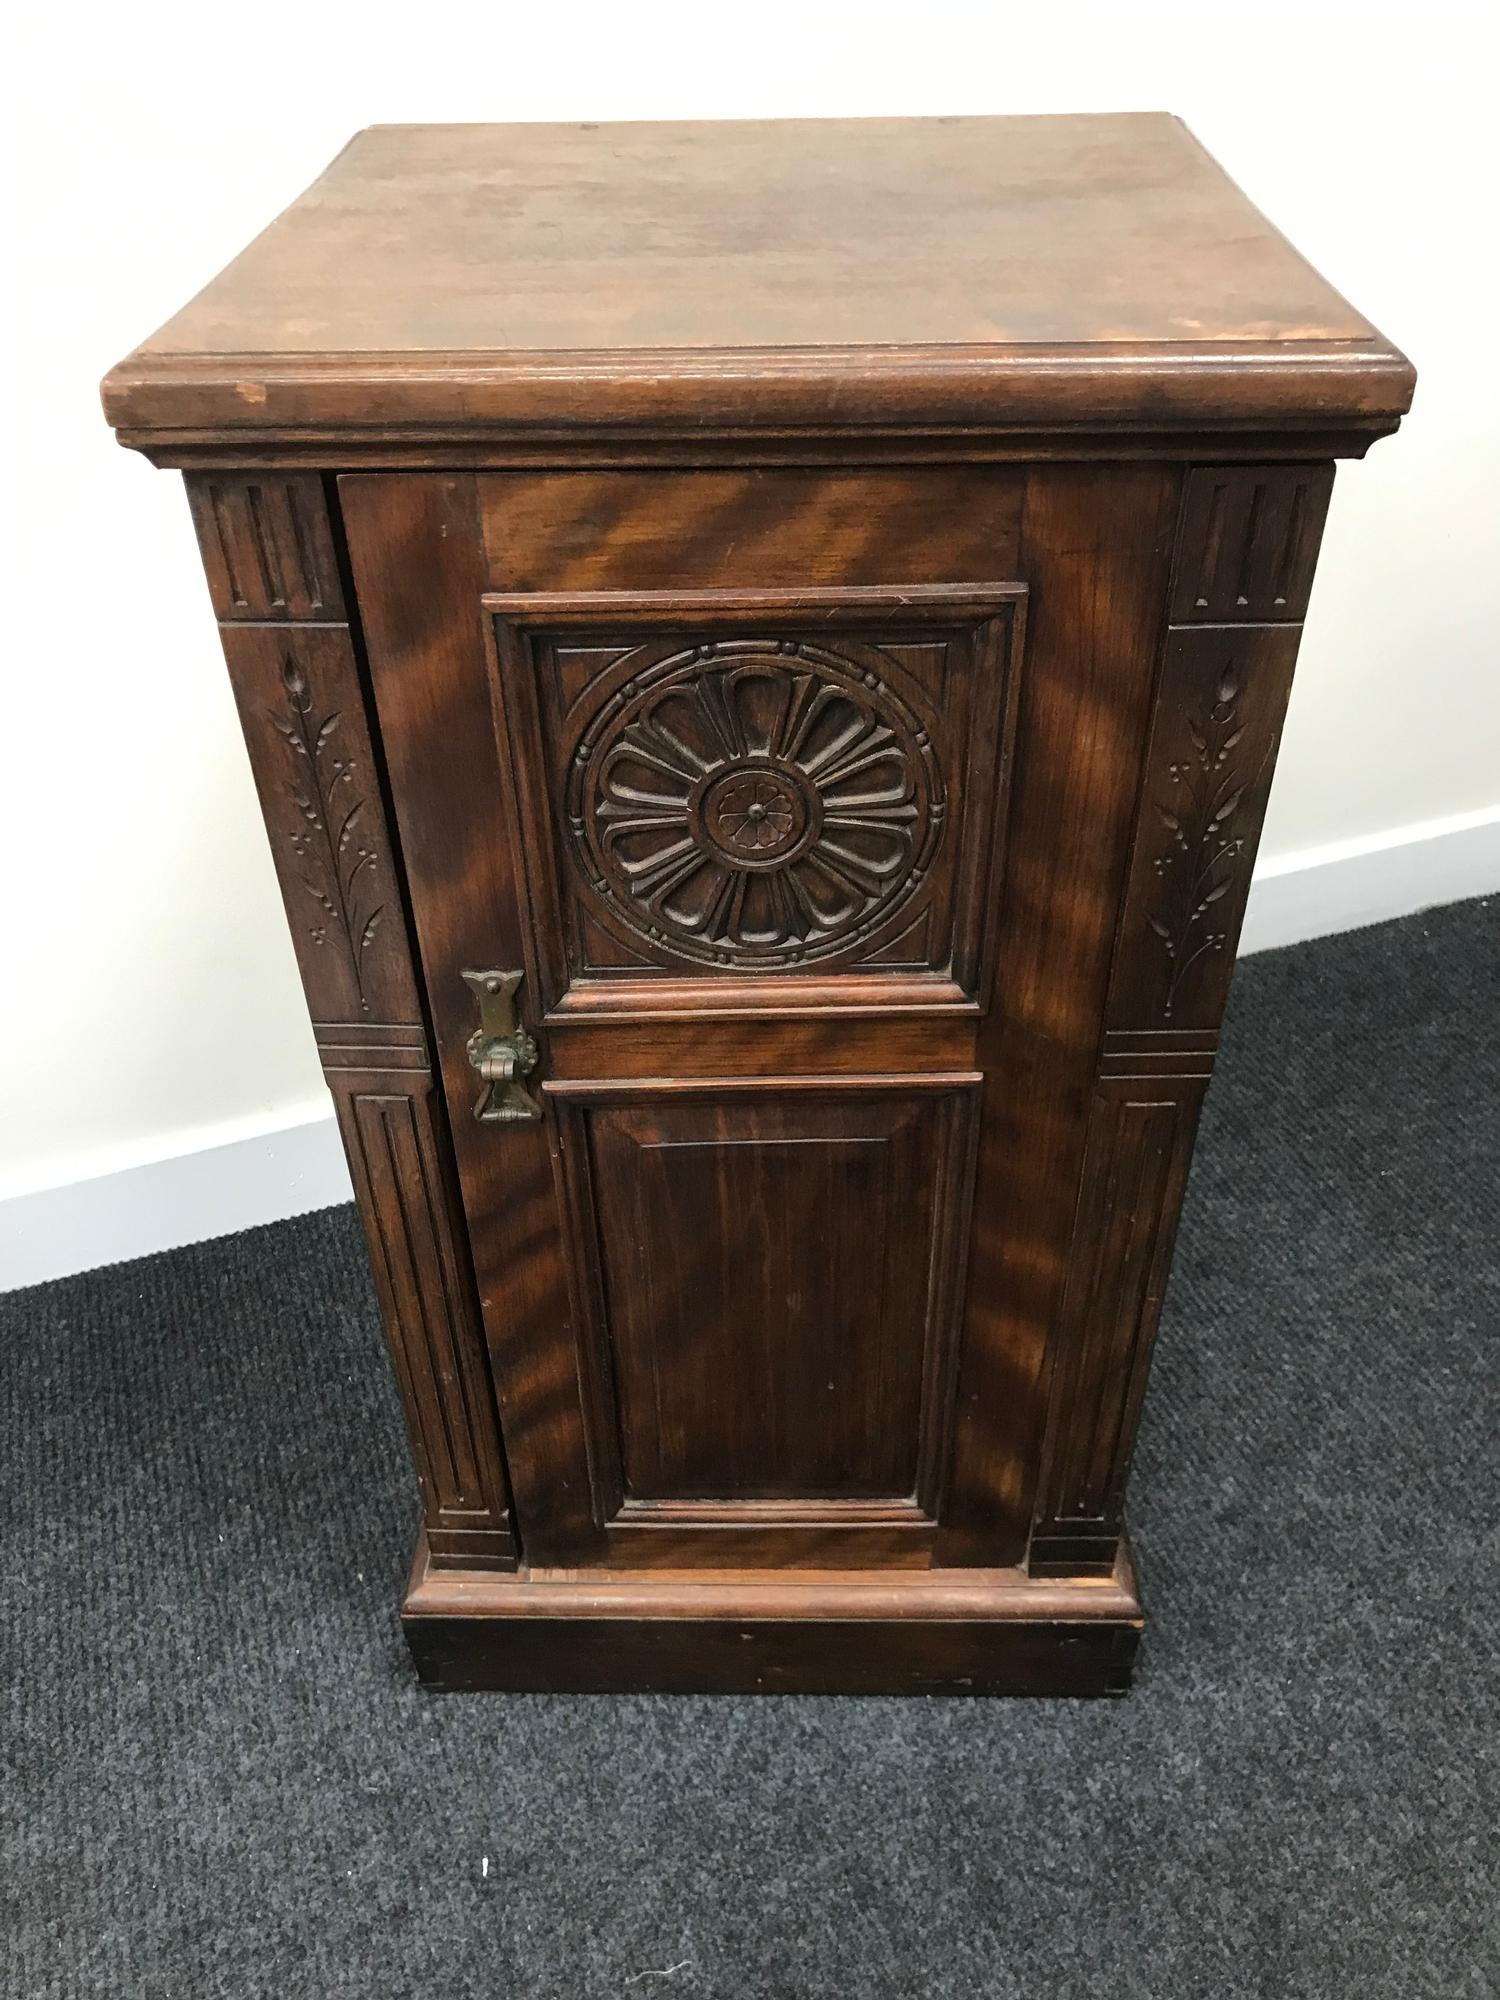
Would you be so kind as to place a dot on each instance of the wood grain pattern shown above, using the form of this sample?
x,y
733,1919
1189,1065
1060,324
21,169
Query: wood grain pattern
x,y
452,791
786,528
420,575
793,233
825,273
1246,543
752,1365
884,1036
1094,550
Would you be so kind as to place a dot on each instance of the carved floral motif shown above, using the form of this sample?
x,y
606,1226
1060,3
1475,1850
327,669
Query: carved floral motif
x,y
756,803
340,868
1203,856
754,814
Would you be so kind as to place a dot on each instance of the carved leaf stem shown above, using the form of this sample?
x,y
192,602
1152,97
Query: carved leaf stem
x,y
328,798
1203,857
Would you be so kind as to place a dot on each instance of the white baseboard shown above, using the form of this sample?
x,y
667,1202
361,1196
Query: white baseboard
x,y
265,1175
1350,883
160,1204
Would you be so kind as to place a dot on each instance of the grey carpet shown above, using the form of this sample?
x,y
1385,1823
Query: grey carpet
x,y
220,1779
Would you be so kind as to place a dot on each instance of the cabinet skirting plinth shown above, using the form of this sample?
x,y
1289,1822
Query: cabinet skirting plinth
x,y
766,1632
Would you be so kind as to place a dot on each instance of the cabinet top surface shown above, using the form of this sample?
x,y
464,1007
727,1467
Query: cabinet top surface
x,y
962,247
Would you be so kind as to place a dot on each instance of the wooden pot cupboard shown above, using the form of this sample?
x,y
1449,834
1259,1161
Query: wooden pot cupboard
x,y
762,648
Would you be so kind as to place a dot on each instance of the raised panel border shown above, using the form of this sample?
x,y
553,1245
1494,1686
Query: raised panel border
x,y
991,614
797,1532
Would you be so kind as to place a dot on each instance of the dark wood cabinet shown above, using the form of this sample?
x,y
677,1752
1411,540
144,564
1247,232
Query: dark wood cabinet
x,y
763,649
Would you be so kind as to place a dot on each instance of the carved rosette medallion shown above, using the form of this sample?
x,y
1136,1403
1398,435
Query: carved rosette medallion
x,y
755,802
757,817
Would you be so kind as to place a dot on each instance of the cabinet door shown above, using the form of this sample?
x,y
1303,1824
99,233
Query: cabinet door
x,y
726,768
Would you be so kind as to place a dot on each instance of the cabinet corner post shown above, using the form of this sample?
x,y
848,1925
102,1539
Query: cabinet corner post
x,y
272,553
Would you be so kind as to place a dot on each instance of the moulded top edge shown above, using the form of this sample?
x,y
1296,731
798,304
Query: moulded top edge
x,y
1156,386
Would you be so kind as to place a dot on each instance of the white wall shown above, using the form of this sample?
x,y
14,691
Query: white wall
x,y
152,1006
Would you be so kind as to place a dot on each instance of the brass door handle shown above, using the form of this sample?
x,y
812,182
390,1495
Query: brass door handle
x,y
501,1052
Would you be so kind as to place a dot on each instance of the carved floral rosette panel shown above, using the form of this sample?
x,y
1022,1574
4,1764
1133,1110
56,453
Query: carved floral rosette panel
x,y
742,793
757,803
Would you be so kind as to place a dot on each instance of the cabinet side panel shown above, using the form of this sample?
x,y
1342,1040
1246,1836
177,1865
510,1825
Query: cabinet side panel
x,y
298,688
1094,551
1247,543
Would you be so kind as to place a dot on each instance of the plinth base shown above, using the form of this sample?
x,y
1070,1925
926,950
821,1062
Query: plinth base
x,y
773,1631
